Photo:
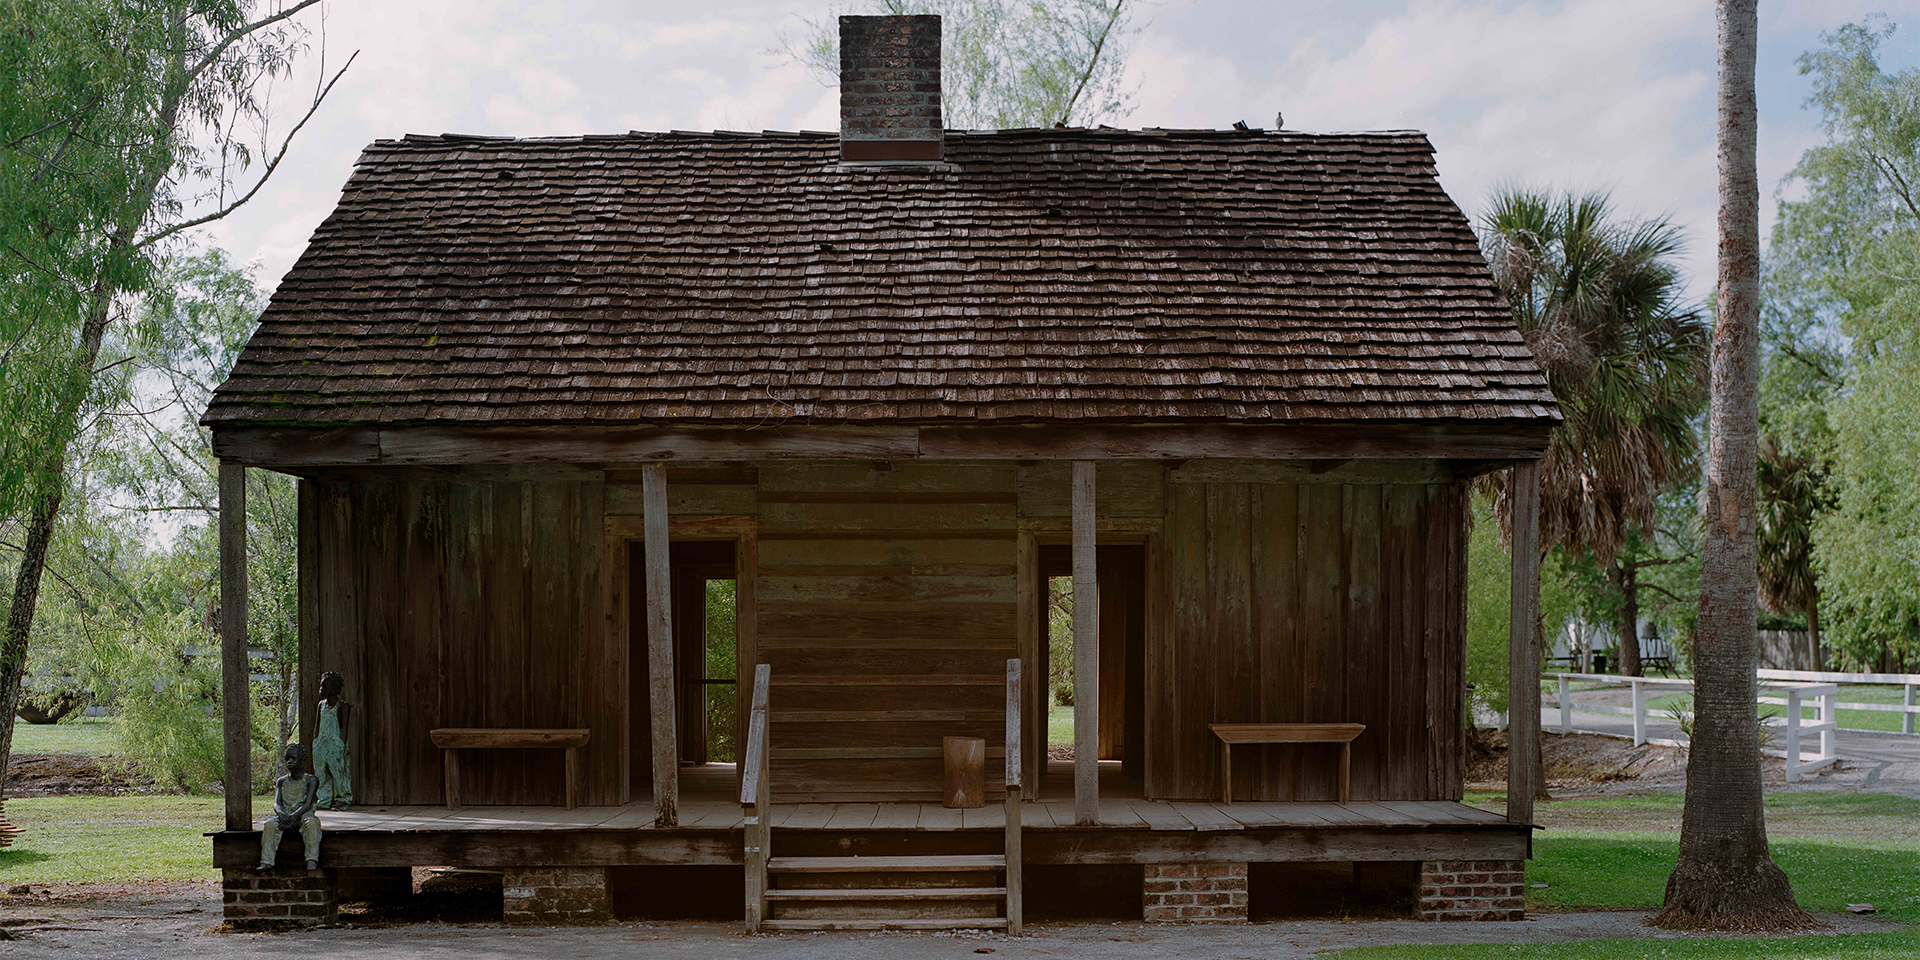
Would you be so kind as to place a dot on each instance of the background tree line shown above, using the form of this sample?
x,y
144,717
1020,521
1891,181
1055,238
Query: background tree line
x,y
1839,512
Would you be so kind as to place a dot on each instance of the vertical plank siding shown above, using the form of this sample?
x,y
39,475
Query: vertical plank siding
x,y
877,589
444,604
1310,602
885,598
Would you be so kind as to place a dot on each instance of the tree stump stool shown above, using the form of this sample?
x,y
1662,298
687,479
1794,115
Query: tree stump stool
x,y
966,781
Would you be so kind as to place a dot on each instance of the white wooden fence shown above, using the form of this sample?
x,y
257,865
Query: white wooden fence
x,y
1793,727
1906,708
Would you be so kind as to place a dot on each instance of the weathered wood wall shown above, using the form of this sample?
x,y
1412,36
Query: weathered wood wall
x,y
1310,602
456,605
887,600
886,605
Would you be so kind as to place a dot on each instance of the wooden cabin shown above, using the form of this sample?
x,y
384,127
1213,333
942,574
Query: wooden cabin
x,y
543,393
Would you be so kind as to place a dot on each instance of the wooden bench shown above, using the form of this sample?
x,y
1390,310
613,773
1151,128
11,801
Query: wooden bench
x,y
1232,733
452,740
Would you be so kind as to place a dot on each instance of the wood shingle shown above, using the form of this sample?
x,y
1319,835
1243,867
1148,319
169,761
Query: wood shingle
x,y
1040,275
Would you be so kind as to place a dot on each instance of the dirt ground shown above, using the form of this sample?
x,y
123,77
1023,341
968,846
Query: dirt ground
x,y
70,774
180,920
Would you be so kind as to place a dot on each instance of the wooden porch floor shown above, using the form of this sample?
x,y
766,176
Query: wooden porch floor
x,y
706,804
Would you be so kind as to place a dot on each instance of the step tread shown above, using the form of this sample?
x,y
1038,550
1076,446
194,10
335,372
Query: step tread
x,y
960,862
958,923
891,893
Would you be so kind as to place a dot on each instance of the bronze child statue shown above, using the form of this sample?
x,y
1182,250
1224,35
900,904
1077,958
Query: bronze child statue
x,y
330,745
295,795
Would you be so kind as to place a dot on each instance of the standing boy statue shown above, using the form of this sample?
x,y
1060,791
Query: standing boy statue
x,y
330,745
295,795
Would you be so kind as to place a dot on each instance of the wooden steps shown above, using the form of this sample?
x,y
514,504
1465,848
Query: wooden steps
x,y
950,892
907,893
981,861
982,923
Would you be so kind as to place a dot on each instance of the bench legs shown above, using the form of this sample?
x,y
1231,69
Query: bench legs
x,y
1226,772
573,776
451,761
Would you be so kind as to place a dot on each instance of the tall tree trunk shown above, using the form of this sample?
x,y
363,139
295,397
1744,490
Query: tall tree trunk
x,y
1725,878
1626,579
26,595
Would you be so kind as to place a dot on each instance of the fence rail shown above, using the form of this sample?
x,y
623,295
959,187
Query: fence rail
x,y
1794,727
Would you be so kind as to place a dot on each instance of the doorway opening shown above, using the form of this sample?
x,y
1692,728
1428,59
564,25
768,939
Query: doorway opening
x,y
705,656
1122,573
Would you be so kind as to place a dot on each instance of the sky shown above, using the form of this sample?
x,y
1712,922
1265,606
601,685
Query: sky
x,y
1616,95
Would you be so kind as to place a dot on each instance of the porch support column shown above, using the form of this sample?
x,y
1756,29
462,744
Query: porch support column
x,y
1523,661
1086,651
666,740
235,701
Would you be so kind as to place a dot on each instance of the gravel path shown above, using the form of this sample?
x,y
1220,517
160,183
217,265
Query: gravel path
x,y
150,924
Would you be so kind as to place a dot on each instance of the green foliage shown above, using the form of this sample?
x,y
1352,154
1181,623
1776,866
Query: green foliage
x,y
166,697
130,613
1060,640
1489,609
1843,328
1599,301
722,663
1007,63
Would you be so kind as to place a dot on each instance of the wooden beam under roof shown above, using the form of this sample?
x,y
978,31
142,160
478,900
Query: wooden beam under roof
x,y
299,449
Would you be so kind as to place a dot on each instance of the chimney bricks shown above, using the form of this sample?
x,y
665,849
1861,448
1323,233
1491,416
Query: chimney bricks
x,y
890,89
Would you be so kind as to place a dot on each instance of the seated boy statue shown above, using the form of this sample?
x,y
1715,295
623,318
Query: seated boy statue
x,y
295,795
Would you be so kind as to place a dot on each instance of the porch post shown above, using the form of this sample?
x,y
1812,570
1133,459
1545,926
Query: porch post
x,y
1523,661
666,740
235,701
1086,651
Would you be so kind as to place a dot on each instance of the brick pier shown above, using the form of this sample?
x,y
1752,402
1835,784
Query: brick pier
x,y
281,897
1194,893
554,895
1472,890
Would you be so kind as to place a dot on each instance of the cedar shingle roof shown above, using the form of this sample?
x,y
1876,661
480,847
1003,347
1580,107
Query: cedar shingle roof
x,y
1103,275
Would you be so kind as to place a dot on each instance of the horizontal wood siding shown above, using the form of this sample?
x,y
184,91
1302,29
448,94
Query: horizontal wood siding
x,y
462,605
886,604
1309,602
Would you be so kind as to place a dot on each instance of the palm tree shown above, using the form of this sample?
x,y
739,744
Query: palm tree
x,y
1725,877
1792,489
1599,303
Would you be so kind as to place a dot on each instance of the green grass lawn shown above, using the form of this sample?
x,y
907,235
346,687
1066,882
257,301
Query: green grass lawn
x,y
1838,848
112,839
1858,946
93,736
1059,724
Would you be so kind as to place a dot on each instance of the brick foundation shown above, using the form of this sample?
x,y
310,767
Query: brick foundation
x,y
281,897
1472,890
554,895
1194,893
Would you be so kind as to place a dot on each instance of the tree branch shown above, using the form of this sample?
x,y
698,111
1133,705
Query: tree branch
x,y
235,36
1092,61
266,173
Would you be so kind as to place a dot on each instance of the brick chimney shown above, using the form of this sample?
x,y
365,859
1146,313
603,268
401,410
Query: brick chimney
x,y
890,89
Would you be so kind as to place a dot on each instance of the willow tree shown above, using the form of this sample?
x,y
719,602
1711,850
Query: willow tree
x,y
1726,878
123,124
1598,299
1007,63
